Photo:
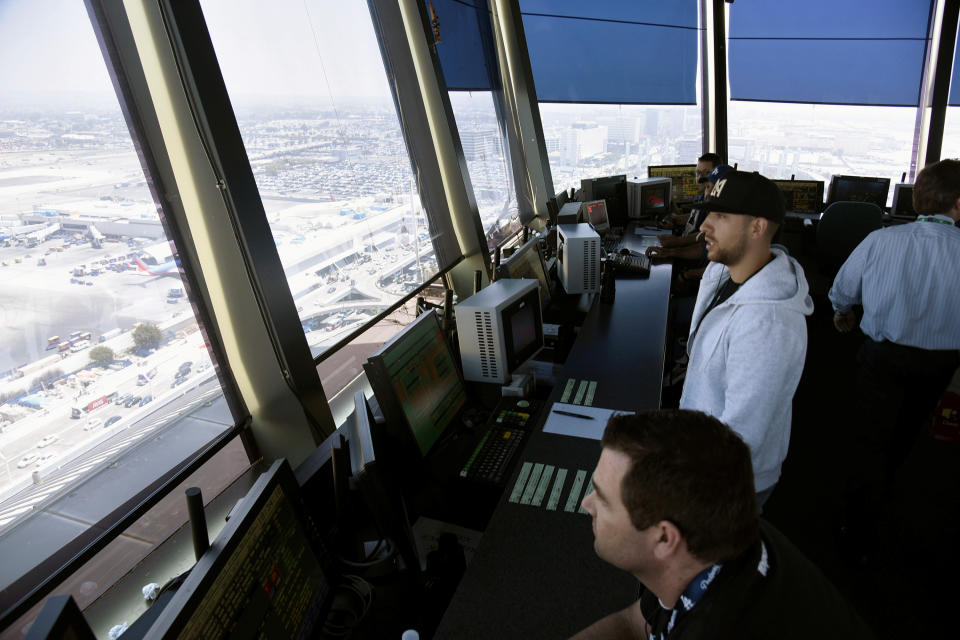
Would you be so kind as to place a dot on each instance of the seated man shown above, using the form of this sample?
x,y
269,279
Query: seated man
x,y
705,164
673,503
691,245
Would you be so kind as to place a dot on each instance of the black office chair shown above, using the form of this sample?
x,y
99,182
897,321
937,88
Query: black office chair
x,y
842,226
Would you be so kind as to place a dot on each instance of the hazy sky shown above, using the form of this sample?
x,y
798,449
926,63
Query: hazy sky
x,y
266,48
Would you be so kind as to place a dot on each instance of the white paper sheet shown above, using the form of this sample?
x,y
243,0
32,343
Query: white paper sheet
x,y
590,426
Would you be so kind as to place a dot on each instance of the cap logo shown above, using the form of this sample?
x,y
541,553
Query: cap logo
x,y
718,188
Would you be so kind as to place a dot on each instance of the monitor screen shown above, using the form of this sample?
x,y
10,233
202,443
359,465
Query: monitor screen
x,y
416,381
802,196
903,200
596,214
684,178
527,262
859,189
654,199
612,189
522,330
262,577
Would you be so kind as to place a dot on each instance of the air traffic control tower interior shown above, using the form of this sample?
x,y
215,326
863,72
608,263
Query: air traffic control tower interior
x,y
398,251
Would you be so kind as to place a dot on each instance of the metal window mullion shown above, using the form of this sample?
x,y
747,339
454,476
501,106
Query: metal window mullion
x,y
721,91
528,150
205,89
430,132
938,71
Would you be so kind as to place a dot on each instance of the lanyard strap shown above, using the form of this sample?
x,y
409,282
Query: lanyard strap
x,y
934,219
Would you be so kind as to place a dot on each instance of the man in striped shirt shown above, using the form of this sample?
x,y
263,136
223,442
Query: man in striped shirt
x,y
907,278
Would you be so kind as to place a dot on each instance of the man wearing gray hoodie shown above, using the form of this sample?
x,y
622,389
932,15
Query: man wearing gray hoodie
x,y
748,337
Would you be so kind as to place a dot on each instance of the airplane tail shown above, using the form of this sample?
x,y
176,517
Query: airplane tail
x,y
141,267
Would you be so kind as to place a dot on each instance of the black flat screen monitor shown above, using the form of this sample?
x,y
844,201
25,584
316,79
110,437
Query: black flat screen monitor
x,y
528,262
802,196
60,619
416,381
595,212
379,489
612,189
556,203
684,176
903,201
859,189
262,577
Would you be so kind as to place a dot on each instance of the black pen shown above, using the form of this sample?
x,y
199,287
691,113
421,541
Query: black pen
x,y
573,415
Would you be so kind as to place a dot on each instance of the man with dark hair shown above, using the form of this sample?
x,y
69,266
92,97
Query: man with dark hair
x,y
705,164
748,336
906,278
673,504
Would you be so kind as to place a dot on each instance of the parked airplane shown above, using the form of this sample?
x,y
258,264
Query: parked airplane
x,y
169,268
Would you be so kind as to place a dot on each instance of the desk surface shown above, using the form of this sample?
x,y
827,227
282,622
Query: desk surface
x,y
535,574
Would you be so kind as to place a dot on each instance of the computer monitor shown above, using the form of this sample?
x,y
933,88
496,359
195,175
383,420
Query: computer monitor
x,y
903,200
416,382
859,189
648,197
377,484
802,196
60,619
499,328
263,576
595,213
613,189
684,176
527,262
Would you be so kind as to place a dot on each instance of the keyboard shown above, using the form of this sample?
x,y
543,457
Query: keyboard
x,y
612,243
507,428
630,265
491,459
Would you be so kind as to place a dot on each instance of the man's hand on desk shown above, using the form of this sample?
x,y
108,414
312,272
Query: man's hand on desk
x,y
660,253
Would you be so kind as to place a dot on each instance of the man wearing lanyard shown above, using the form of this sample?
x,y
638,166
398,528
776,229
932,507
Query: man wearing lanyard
x,y
906,278
673,503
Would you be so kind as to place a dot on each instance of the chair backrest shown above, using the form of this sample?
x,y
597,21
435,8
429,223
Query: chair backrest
x,y
843,225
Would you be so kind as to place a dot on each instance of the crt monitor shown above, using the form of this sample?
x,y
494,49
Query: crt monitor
x,y
613,189
859,189
649,197
903,200
416,382
802,196
527,262
263,576
684,176
499,328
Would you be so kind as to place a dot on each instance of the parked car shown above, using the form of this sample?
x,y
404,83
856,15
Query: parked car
x,y
46,441
92,423
111,421
27,460
146,400
135,400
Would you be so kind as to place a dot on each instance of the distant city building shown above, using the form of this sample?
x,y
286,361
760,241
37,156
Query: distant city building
x,y
480,144
584,140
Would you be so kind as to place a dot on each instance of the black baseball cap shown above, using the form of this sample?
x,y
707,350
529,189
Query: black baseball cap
x,y
747,193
